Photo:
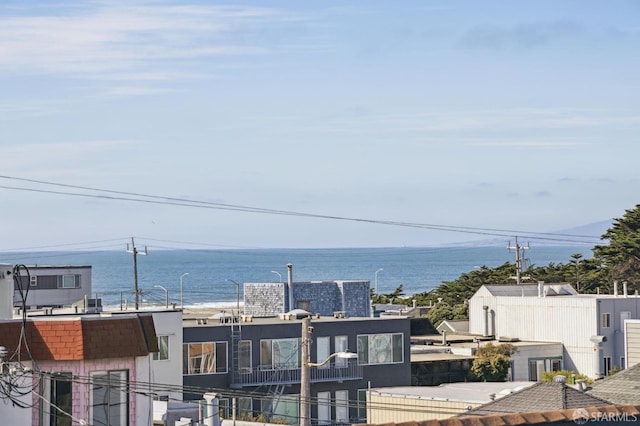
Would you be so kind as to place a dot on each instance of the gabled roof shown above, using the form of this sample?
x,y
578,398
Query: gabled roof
x,y
620,388
82,338
539,397
454,326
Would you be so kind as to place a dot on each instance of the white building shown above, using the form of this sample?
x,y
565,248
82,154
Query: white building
x,y
632,342
590,326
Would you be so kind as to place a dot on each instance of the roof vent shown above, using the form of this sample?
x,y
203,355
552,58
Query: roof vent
x,y
559,379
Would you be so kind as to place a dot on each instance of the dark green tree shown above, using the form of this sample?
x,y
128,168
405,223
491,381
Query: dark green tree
x,y
621,256
492,362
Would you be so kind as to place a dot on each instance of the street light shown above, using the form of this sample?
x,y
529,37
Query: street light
x,y
166,295
279,275
181,293
376,275
305,371
237,295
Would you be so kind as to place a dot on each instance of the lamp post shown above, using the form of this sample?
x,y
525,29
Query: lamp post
x,y
376,280
237,295
305,370
279,275
166,295
181,293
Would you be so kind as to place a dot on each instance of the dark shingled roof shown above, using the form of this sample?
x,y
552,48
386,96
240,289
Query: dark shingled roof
x,y
536,398
620,388
620,414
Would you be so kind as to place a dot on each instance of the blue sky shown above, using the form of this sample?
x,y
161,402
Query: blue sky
x,y
508,115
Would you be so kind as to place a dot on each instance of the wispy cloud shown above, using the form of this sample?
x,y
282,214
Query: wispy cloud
x,y
116,40
522,36
47,154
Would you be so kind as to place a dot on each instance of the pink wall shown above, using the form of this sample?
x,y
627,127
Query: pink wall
x,y
80,389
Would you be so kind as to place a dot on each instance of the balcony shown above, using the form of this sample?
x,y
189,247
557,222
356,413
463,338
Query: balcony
x,y
268,375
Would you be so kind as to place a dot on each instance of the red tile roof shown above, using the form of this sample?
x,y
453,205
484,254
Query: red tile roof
x,y
82,338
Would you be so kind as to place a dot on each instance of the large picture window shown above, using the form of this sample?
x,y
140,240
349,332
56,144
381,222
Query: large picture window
x,y
204,358
280,353
386,348
109,398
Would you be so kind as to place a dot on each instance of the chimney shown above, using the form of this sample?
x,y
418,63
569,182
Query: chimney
x,y
290,285
582,385
415,303
486,321
444,337
615,288
540,288
6,292
624,288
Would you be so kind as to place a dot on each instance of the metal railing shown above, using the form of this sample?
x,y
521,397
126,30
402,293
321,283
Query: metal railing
x,y
270,375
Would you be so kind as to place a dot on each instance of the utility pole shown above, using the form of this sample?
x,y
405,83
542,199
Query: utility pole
x,y
520,260
305,379
135,253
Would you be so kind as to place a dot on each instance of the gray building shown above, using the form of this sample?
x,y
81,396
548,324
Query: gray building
x,y
258,360
339,297
52,286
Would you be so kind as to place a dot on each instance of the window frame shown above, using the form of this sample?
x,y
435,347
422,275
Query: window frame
x,y
605,320
49,388
121,385
209,355
162,355
367,343
60,284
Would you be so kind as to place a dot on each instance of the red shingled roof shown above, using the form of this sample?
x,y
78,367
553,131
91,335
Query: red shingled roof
x,y
82,338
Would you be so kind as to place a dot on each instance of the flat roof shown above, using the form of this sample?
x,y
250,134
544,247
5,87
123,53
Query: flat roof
x,y
473,392
200,320
438,356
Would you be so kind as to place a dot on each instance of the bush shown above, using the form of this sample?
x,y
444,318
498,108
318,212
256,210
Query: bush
x,y
571,376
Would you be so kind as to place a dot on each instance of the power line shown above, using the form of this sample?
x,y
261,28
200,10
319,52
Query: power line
x,y
183,202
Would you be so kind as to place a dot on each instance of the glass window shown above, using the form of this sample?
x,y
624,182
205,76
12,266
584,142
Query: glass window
x,y
380,348
363,349
265,353
163,349
68,281
244,351
606,320
244,407
398,348
285,408
341,345
607,365
323,349
204,358
362,405
57,407
109,398
324,408
285,353
342,406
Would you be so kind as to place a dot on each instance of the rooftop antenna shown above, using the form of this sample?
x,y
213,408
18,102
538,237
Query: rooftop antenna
x,y
135,253
521,262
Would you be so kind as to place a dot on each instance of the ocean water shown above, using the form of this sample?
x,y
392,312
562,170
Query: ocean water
x,y
211,272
